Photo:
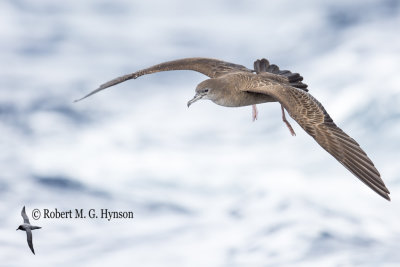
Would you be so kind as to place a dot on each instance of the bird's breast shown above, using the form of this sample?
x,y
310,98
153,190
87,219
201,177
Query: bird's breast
x,y
241,98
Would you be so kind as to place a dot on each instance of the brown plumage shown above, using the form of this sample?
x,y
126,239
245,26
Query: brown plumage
x,y
234,85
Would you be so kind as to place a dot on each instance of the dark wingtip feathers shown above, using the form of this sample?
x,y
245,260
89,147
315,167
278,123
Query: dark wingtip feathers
x,y
111,83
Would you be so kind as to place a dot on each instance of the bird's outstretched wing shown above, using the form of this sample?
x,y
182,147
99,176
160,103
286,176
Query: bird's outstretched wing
x,y
213,68
29,239
314,119
23,214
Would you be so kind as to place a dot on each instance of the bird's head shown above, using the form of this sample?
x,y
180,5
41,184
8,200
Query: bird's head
x,y
207,89
20,228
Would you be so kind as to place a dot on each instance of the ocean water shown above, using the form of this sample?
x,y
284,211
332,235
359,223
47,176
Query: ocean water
x,y
206,185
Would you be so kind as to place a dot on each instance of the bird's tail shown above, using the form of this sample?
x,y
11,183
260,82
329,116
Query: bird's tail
x,y
295,79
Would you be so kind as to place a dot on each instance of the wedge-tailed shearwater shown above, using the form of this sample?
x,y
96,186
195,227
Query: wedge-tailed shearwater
x,y
234,85
27,227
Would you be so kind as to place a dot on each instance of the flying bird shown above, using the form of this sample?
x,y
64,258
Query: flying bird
x,y
27,227
234,85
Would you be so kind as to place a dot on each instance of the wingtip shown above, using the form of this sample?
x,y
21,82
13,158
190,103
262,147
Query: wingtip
x,y
387,197
79,99
92,93
383,194
32,249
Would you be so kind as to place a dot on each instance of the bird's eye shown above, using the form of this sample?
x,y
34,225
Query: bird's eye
x,y
206,90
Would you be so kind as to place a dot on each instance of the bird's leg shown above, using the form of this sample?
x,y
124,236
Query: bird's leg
x,y
255,112
287,123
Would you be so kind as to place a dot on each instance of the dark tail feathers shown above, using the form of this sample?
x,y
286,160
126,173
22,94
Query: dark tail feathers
x,y
295,79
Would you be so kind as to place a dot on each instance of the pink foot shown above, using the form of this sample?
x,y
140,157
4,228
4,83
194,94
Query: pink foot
x,y
255,112
286,122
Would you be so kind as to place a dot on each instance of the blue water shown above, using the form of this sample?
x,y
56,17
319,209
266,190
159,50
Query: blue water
x,y
207,186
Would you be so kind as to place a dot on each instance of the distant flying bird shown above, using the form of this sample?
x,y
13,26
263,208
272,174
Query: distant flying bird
x,y
233,85
27,227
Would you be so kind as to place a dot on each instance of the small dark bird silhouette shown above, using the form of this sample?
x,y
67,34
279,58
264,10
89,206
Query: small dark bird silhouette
x,y
27,227
233,85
